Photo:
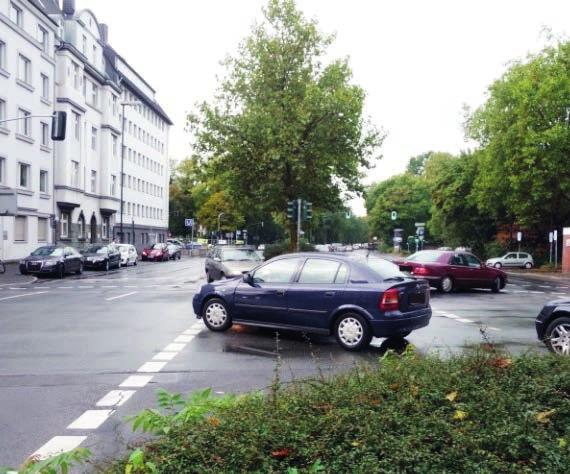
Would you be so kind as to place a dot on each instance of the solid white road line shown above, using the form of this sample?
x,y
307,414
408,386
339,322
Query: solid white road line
x,y
90,420
165,356
151,367
17,288
136,381
464,320
121,296
58,445
172,347
23,295
183,339
115,398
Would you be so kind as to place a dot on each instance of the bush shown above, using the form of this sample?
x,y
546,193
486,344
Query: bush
x,y
481,412
280,248
493,249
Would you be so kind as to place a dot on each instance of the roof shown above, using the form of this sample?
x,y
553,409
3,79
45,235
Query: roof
x,y
47,7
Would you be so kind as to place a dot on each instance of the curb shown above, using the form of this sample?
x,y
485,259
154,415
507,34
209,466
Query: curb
x,y
540,277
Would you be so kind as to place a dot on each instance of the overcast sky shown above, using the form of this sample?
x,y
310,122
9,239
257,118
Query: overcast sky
x,y
419,61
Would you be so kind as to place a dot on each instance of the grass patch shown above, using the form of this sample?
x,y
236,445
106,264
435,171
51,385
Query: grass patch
x,y
479,412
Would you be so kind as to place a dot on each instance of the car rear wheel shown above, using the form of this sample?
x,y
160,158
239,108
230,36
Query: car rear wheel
x,y
498,265
352,332
528,265
497,284
557,336
216,315
446,284
80,270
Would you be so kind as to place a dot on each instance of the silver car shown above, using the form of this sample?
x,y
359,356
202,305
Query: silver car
x,y
512,259
230,261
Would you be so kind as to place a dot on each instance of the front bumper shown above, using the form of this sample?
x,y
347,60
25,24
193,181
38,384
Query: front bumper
x,y
390,326
94,265
197,305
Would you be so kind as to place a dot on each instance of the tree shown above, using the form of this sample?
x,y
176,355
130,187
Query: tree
x,y
407,194
218,203
524,132
185,177
284,126
417,164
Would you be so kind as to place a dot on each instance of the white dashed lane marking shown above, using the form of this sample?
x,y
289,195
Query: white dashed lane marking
x,y
58,445
90,420
454,317
121,296
136,381
115,398
23,295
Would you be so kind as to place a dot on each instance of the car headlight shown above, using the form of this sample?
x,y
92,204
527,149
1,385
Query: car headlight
x,y
50,263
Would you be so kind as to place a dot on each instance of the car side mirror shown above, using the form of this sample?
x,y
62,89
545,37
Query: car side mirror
x,y
247,278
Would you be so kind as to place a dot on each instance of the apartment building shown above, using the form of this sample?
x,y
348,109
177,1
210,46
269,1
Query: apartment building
x,y
27,71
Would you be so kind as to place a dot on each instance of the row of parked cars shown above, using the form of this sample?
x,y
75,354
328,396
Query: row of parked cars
x,y
59,260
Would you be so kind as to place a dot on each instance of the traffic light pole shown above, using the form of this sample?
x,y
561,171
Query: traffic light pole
x,y
299,211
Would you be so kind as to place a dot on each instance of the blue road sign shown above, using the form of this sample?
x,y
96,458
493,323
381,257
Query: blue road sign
x,y
188,222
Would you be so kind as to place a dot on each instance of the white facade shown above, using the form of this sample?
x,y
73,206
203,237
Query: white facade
x,y
27,70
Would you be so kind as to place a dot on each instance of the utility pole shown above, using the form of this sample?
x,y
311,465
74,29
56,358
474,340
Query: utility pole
x,y
299,202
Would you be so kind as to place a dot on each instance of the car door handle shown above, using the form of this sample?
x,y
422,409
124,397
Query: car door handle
x,y
329,293
280,292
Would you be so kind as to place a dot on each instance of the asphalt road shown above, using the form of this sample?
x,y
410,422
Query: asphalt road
x,y
80,354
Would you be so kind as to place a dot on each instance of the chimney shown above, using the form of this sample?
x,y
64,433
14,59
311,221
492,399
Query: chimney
x,y
69,7
104,32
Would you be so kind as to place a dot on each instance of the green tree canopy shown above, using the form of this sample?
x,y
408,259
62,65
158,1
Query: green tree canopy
x,y
283,124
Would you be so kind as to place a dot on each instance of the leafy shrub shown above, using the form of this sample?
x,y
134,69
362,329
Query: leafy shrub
x,y
493,249
481,412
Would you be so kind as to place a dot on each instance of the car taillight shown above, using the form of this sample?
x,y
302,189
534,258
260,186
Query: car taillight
x,y
421,271
390,300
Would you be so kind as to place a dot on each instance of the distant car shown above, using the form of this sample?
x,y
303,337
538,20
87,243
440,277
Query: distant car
x,y
175,242
356,246
52,260
101,257
261,247
553,326
230,262
192,245
317,293
157,252
128,253
448,270
174,251
512,259
322,248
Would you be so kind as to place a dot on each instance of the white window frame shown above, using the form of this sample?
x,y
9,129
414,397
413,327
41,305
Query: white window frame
x,y
25,122
25,69
77,125
15,9
24,175
45,86
43,38
74,173
93,181
44,132
113,185
24,220
65,219
94,138
3,54
43,181
2,111
2,169
105,224
43,229
115,145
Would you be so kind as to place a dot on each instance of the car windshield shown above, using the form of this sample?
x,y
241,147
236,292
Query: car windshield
x,y
96,249
48,252
233,255
425,256
385,269
157,247
123,248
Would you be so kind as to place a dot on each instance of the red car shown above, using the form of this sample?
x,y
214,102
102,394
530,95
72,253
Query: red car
x,y
448,270
157,252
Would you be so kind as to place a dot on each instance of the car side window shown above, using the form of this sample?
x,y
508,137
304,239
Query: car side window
x,y
458,260
280,271
318,271
472,261
341,275
510,256
67,252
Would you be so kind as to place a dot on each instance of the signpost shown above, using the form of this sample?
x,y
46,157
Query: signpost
x,y
555,237
393,215
550,240
190,223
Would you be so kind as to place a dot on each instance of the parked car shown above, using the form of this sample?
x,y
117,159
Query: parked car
x,y
193,245
175,242
174,251
129,255
449,270
101,257
512,259
553,326
261,247
230,261
52,260
157,252
325,294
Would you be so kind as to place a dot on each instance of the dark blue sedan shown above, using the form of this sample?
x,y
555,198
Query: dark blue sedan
x,y
325,294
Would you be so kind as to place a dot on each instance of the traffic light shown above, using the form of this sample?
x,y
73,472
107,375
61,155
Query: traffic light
x,y
307,210
292,210
58,126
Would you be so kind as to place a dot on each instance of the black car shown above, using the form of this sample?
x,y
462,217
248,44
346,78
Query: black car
x,y
102,257
52,260
553,326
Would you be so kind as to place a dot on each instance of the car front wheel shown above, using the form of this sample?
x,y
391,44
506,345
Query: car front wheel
x,y
528,265
352,332
497,284
498,265
557,336
446,284
216,315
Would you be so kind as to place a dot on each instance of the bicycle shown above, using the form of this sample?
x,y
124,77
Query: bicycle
x,y
2,267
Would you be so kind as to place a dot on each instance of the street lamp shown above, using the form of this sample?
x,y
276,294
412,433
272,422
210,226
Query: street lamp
x,y
123,105
219,216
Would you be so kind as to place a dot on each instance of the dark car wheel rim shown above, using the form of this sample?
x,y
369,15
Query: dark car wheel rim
x,y
560,339
350,331
216,315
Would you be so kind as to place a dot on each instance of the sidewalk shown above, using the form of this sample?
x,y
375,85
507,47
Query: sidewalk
x,y
541,276
13,276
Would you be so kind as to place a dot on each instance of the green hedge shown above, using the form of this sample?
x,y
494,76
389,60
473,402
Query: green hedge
x,y
481,412
280,248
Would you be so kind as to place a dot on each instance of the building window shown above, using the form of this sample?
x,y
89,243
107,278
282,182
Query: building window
x,y
20,228
84,45
16,14
23,175
115,145
93,181
43,38
81,227
2,55
64,225
24,122
45,87
115,105
94,94
2,111
24,69
45,133
105,228
42,229
76,76
75,174
77,125
85,87
93,138
2,164
113,185
94,54
43,181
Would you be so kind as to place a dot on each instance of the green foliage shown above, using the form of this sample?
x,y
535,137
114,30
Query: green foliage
x,y
284,125
220,202
63,463
407,194
417,164
328,227
477,412
280,248
137,464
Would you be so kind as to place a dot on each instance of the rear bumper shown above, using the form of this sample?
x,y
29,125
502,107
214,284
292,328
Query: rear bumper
x,y
396,325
